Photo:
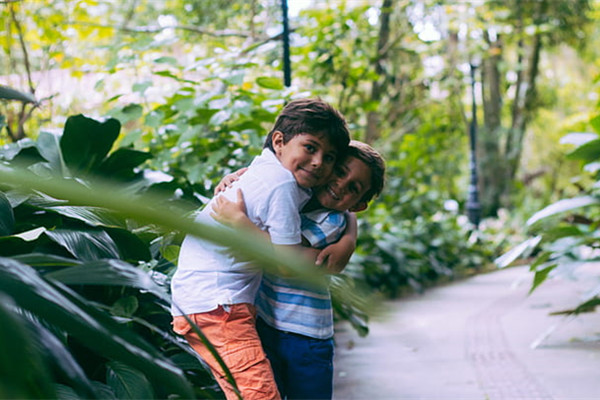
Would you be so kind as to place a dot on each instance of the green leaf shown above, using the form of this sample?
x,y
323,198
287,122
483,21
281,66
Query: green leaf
x,y
540,276
562,206
93,328
561,231
125,306
48,144
8,93
85,142
166,60
587,152
141,87
585,307
595,122
93,216
541,259
23,372
269,82
507,258
43,260
127,382
62,358
7,217
109,273
131,247
121,163
85,245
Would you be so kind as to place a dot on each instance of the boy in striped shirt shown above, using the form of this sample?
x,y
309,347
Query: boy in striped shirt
x,y
295,320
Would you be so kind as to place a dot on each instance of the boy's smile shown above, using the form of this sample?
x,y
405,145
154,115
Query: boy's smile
x,y
309,157
346,189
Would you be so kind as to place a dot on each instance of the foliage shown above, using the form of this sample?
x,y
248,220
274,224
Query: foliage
x,y
204,129
86,267
195,85
412,236
75,278
564,235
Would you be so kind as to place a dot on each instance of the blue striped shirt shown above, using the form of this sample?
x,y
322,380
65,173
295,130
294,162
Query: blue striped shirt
x,y
294,306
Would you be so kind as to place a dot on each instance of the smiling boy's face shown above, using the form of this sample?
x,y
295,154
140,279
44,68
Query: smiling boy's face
x,y
309,157
345,190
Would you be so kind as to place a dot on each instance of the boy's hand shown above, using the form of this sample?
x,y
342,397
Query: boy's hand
x,y
231,213
337,255
228,180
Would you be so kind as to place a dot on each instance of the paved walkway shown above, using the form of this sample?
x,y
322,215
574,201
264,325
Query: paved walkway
x,y
482,338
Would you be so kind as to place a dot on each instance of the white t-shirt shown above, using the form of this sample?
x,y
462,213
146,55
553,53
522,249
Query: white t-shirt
x,y
207,274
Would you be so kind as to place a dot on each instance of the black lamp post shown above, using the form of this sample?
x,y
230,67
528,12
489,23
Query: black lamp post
x,y
287,68
473,206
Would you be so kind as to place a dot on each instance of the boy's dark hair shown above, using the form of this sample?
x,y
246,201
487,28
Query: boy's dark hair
x,y
374,161
312,116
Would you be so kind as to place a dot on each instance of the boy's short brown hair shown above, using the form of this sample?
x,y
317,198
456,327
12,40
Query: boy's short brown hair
x,y
311,116
374,161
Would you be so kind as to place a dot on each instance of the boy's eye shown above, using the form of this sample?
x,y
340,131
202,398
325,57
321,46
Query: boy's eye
x,y
341,172
310,148
329,159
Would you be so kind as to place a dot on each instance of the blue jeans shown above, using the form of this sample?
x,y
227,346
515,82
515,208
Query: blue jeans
x,y
303,366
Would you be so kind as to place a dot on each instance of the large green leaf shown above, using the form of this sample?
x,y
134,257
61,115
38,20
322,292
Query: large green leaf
x,y
131,247
7,217
43,260
86,142
108,272
85,245
127,382
92,327
93,216
121,163
23,372
562,206
48,144
59,356
588,152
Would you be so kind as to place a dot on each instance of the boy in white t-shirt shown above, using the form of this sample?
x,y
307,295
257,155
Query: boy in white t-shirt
x,y
295,320
213,287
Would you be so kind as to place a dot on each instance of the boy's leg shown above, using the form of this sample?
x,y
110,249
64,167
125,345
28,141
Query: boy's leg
x,y
310,367
233,334
271,342
303,366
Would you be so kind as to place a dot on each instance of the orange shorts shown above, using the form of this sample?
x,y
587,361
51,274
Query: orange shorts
x,y
233,334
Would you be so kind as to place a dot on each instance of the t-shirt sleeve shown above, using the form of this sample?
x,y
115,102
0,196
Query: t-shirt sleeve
x,y
283,215
326,231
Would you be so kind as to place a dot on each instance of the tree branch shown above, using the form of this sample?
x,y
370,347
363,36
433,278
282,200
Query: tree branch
x,y
23,48
156,29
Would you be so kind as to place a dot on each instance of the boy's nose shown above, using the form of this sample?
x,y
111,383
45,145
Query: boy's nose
x,y
317,160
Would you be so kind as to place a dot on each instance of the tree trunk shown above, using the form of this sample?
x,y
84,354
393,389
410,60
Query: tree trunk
x,y
377,86
491,176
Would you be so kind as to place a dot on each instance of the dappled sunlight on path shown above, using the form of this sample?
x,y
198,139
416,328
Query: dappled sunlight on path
x,y
481,338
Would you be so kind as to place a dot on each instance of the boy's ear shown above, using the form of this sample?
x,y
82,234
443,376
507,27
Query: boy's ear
x,y
277,139
360,206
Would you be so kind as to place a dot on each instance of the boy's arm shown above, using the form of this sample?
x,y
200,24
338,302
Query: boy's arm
x,y
338,254
233,213
228,180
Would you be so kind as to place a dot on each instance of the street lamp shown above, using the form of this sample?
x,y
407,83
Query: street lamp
x,y
473,206
287,68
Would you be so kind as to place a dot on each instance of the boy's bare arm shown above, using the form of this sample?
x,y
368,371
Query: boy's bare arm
x,y
338,254
228,180
233,213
